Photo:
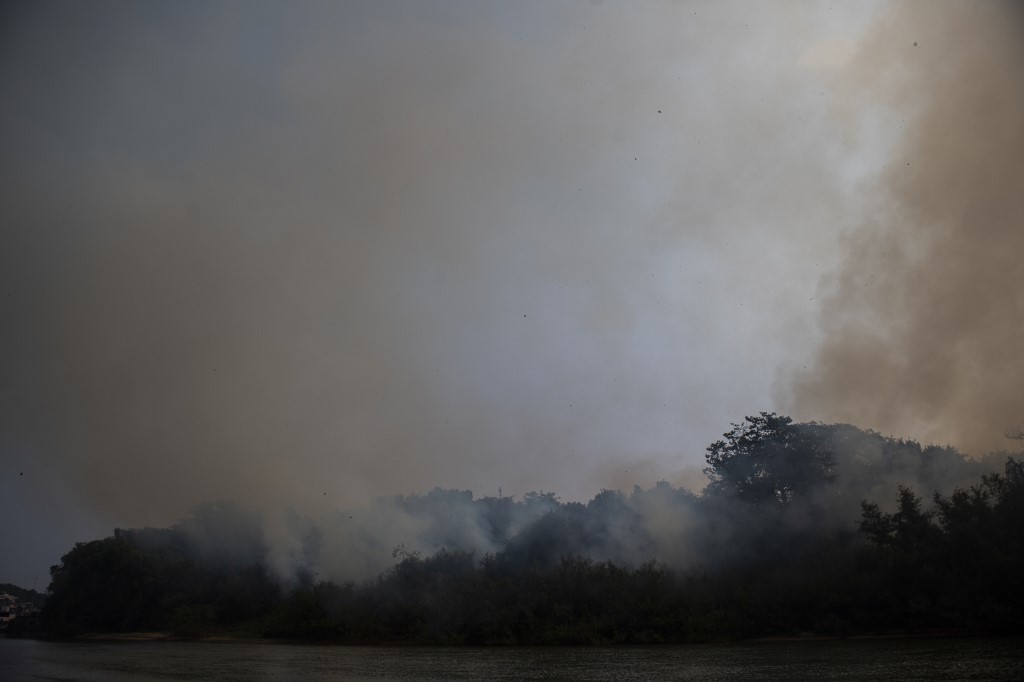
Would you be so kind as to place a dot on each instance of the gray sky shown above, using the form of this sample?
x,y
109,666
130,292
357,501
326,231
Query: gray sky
x,y
310,253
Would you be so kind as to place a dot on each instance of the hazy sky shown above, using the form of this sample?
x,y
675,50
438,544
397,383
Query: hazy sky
x,y
311,253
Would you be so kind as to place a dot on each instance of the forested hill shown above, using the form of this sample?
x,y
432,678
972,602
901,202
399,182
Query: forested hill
x,y
802,528
23,594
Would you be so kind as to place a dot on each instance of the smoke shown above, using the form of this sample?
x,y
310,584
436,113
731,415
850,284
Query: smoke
x,y
301,257
306,256
669,525
923,320
352,545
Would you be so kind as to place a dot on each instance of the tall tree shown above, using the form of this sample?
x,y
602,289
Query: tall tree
x,y
769,459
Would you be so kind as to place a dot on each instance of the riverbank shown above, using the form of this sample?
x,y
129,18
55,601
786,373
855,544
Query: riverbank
x,y
247,638
908,659
171,637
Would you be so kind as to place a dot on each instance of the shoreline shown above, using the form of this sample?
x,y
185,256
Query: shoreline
x,y
151,637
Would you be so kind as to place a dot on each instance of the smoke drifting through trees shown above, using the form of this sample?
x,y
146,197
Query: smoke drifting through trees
x,y
368,248
819,473
770,547
303,256
924,320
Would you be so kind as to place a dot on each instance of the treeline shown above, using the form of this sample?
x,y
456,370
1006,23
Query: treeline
x,y
787,538
24,595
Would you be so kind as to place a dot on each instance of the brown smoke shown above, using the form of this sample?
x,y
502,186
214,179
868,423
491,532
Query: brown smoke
x,y
923,322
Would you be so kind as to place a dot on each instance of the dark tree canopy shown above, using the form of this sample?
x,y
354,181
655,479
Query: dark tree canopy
x,y
769,459
772,547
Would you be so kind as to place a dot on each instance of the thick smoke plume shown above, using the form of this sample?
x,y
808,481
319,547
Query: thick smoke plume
x,y
924,321
301,257
306,255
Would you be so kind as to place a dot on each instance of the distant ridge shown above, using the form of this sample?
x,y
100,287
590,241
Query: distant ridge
x,y
23,594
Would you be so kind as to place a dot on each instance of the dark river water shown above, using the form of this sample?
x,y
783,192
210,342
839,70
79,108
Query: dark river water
x,y
891,659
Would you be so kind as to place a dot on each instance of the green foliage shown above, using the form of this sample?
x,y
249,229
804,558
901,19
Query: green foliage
x,y
768,557
146,580
105,585
24,595
956,567
192,620
769,460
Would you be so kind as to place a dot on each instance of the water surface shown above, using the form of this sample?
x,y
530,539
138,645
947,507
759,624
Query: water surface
x,y
903,659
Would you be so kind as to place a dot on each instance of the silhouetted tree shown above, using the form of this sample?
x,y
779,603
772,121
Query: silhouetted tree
x,y
770,548
769,459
